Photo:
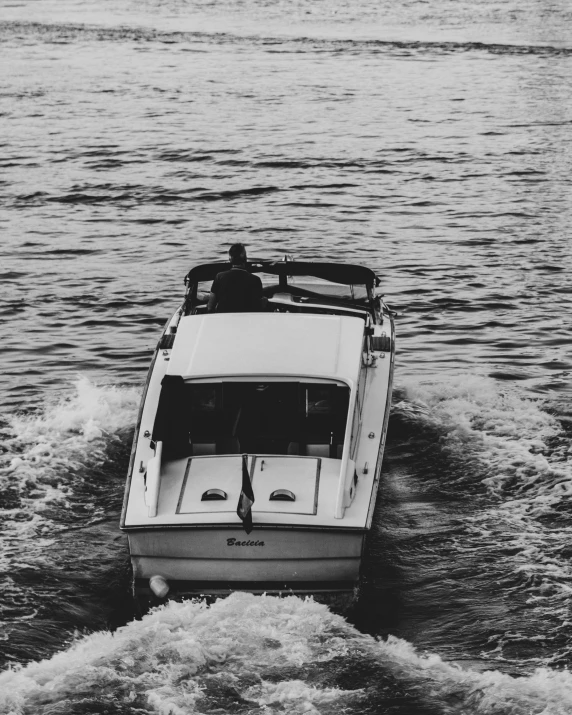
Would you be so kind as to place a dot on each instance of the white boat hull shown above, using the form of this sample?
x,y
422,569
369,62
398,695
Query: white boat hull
x,y
207,560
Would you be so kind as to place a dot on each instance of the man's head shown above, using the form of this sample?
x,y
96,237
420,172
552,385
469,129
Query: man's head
x,y
237,254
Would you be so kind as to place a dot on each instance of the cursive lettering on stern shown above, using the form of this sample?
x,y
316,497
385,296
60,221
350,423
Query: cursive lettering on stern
x,y
236,542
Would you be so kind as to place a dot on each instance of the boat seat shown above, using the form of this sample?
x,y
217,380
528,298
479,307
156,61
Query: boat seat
x,y
318,450
313,449
202,448
226,445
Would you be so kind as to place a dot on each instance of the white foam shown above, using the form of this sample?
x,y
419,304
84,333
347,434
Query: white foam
x,y
520,455
507,433
47,451
181,657
293,696
166,660
545,692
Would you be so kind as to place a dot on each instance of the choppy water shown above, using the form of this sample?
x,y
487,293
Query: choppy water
x,y
428,140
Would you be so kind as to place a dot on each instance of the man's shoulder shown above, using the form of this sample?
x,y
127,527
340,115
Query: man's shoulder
x,y
222,276
254,278
239,274
234,276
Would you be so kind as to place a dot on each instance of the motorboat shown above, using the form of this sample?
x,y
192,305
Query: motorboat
x,y
258,448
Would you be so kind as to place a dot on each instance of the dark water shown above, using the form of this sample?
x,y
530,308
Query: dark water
x,y
427,140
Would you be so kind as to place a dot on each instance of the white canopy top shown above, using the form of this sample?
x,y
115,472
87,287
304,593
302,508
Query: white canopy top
x,y
272,344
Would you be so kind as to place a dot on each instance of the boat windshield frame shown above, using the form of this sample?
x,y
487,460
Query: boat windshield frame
x,y
349,275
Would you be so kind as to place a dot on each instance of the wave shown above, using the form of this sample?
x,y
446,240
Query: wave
x,y
67,33
47,456
515,440
254,654
511,458
134,196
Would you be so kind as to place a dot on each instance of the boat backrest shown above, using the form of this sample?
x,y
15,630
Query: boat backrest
x,y
321,449
226,445
202,448
318,450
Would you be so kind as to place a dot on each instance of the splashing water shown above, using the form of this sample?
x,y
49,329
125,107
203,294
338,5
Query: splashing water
x,y
514,460
507,433
45,454
59,474
255,654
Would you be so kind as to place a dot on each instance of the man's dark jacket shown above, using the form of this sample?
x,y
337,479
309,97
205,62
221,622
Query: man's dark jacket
x,y
237,291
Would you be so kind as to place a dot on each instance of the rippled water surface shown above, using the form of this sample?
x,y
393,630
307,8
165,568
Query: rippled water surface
x,y
427,140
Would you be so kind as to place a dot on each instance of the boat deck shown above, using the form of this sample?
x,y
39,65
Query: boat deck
x,y
312,480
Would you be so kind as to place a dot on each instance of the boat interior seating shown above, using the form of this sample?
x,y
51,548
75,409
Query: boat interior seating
x,y
229,445
288,418
319,449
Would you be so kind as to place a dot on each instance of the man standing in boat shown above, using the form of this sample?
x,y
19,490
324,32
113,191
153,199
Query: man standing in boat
x,y
236,290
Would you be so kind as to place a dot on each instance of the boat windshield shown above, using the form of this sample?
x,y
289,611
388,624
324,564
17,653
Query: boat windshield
x,y
309,285
296,418
319,286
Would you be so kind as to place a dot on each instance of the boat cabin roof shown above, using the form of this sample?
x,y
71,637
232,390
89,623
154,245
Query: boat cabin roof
x,y
268,345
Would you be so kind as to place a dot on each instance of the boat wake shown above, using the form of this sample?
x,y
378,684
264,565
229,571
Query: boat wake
x,y
45,457
61,479
504,462
253,654
501,465
278,37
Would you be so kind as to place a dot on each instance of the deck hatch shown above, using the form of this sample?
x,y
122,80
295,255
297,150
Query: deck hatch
x,y
208,474
270,474
296,475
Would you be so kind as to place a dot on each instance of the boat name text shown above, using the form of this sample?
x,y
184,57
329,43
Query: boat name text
x,y
236,542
